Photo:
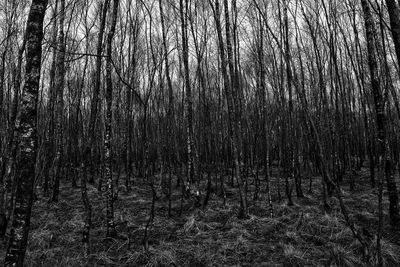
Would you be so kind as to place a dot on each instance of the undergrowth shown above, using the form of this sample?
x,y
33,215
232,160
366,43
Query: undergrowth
x,y
299,235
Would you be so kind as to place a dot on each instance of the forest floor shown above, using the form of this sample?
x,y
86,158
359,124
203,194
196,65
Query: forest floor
x,y
299,235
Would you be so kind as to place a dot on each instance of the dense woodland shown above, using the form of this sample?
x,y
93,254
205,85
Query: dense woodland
x,y
199,132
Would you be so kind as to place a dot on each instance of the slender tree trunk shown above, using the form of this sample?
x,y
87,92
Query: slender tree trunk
x,y
88,211
231,96
237,129
50,108
95,106
189,101
170,112
384,153
394,15
129,118
84,159
60,80
108,158
292,170
9,161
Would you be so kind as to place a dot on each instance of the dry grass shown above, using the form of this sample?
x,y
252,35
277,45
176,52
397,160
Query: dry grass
x,y
300,235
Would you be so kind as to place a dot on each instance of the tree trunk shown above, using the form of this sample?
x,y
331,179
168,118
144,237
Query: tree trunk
x,y
384,153
60,80
95,106
189,101
50,108
8,163
394,15
231,97
108,158
16,246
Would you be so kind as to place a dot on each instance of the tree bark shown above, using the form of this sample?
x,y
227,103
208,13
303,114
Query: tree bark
x,y
394,15
8,163
108,158
189,101
95,105
60,81
50,107
16,246
231,96
170,110
384,153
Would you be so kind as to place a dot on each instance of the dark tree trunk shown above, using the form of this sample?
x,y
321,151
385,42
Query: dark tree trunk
x,y
108,158
8,162
231,96
95,105
384,153
170,110
16,246
188,89
59,85
394,15
48,165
